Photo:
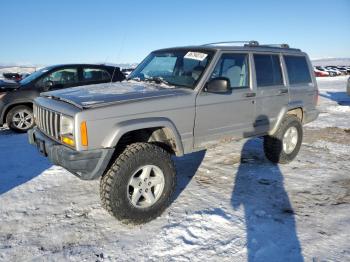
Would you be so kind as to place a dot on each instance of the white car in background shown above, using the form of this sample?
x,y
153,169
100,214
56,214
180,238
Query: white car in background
x,y
333,69
330,72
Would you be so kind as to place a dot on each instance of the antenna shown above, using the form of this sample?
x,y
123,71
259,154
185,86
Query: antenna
x,y
118,54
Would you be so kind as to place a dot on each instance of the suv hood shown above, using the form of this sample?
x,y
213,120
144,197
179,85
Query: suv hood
x,y
8,85
92,96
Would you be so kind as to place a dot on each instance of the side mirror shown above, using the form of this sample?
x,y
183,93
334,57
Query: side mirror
x,y
218,85
47,85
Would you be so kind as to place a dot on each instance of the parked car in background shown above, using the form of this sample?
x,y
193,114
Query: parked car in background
x,y
319,73
127,71
330,71
15,76
16,98
343,70
334,69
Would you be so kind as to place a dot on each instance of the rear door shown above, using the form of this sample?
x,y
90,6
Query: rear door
x,y
94,75
272,92
230,114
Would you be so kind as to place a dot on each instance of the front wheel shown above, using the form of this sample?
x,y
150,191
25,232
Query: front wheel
x,y
140,183
20,119
283,146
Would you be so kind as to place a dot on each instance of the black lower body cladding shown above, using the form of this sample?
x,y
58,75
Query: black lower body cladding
x,y
86,165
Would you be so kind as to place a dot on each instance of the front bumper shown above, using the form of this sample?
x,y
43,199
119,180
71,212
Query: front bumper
x,y
86,165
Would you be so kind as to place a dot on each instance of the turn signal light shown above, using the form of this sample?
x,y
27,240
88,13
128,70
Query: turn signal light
x,y
84,134
67,140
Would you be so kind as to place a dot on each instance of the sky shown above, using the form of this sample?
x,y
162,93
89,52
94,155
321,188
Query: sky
x,y
41,32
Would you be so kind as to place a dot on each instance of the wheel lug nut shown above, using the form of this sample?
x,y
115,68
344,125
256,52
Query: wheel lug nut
x,y
140,190
146,190
149,183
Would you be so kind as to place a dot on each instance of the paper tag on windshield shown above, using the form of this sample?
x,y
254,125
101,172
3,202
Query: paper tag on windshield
x,y
196,56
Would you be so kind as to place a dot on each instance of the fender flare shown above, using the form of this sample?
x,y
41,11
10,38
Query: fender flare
x,y
283,113
122,128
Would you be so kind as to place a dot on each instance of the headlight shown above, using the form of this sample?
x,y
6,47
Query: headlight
x,y
67,130
67,125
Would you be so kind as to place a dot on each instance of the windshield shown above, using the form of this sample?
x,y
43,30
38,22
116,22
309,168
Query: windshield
x,y
173,67
34,76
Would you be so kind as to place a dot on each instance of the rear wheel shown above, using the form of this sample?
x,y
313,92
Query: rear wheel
x,y
283,146
20,119
139,185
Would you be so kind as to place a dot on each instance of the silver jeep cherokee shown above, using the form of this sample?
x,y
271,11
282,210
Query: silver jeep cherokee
x,y
177,101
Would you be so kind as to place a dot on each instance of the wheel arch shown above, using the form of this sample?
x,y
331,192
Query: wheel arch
x,y
10,106
155,130
297,111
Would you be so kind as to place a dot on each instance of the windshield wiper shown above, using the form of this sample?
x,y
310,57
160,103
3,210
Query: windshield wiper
x,y
157,80
134,79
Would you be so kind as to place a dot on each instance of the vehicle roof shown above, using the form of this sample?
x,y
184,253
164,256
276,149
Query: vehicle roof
x,y
93,65
220,47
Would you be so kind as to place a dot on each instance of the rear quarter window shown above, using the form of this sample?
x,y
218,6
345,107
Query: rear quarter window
x,y
297,69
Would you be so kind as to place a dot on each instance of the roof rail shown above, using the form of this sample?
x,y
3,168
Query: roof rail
x,y
248,43
253,43
276,45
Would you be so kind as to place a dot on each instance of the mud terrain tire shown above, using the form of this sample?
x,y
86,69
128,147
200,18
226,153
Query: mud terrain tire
x,y
115,185
275,145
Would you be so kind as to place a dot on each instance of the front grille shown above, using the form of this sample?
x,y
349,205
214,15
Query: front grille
x,y
47,121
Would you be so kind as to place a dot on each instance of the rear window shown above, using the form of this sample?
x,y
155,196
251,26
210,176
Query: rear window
x,y
268,70
297,69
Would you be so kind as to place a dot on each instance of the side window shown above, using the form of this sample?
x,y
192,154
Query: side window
x,y
235,67
61,78
297,69
95,74
268,70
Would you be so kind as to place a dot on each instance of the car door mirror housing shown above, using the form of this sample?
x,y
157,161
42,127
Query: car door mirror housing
x,y
218,85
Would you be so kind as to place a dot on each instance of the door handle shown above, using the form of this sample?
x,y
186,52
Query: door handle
x,y
283,91
250,94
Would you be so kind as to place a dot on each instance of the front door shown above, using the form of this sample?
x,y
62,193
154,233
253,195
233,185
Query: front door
x,y
230,114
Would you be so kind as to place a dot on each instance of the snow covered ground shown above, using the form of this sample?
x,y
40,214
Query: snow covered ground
x,y
231,203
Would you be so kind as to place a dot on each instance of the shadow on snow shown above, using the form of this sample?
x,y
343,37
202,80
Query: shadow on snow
x,y
19,161
342,98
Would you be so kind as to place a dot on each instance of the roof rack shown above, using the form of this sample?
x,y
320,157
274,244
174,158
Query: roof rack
x,y
248,43
253,43
277,45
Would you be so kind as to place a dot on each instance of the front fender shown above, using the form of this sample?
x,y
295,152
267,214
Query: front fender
x,y
122,128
